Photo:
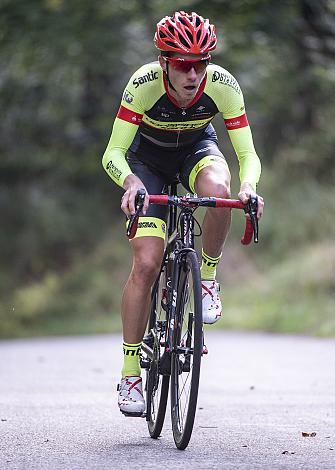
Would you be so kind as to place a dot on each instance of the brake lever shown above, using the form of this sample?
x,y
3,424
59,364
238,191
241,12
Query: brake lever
x,y
251,209
139,203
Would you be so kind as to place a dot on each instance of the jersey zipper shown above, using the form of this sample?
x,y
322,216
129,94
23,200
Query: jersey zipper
x,y
183,113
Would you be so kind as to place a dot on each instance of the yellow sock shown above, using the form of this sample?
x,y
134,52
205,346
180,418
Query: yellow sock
x,y
131,359
208,267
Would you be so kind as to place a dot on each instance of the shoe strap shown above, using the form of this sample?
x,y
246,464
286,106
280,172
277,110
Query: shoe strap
x,y
133,385
207,290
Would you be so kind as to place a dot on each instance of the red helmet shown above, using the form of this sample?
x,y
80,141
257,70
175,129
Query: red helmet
x,y
185,33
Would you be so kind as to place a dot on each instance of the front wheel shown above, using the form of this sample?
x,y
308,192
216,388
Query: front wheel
x,y
157,385
187,350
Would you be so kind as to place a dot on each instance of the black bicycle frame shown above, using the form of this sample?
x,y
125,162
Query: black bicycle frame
x,y
179,242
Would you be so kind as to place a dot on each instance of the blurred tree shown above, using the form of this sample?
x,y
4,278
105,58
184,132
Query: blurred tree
x,y
63,66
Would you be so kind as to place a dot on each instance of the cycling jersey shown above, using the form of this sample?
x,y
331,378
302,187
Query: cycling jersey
x,y
150,113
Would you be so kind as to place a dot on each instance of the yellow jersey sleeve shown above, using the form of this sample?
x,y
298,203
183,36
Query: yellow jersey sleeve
x,y
139,95
226,92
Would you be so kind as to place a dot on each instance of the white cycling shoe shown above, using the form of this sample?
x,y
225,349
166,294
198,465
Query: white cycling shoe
x,y
211,303
131,400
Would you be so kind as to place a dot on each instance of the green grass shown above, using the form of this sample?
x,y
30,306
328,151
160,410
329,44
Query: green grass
x,y
294,296
84,299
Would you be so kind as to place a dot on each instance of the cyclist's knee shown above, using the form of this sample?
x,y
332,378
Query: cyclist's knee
x,y
145,269
220,190
213,187
213,181
147,261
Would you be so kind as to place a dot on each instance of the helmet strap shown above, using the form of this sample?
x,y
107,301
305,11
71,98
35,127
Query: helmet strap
x,y
168,79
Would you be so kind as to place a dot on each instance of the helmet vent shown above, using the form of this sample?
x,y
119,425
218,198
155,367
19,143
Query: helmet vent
x,y
182,40
189,34
204,41
171,29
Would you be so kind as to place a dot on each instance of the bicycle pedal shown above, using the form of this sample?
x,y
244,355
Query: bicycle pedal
x,y
148,340
145,363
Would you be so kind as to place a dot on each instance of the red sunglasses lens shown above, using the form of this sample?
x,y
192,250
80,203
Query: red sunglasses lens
x,y
186,65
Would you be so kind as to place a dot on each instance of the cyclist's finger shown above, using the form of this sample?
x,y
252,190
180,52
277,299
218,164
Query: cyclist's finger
x,y
131,203
260,208
244,197
146,203
124,203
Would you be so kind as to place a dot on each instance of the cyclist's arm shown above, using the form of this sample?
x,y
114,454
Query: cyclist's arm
x,y
239,132
241,139
114,158
125,126
228,96
240,135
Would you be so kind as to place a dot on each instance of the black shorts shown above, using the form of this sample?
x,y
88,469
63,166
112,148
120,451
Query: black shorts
x,y
171,165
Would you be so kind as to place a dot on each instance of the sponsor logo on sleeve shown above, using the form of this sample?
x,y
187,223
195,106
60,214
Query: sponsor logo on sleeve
x,y
130,116
113,170
148,77
128,97
226,79
237,122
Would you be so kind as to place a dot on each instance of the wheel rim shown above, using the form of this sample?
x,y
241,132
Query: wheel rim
x,y
186,364
158,384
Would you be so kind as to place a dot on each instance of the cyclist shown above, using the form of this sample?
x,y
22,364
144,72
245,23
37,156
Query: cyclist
x,y
162,131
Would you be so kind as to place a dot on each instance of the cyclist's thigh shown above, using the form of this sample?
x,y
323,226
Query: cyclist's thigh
x,y
204,155
153,224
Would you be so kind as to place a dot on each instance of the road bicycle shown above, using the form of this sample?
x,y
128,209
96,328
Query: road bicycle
x,y
174,345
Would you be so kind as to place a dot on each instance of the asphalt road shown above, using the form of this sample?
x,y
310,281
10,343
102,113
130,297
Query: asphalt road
x,y
258,394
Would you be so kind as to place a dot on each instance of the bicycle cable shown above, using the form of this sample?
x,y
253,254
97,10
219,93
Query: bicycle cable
x,y
196,224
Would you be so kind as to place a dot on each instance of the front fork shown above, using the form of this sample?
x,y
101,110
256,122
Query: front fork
x,y
172,322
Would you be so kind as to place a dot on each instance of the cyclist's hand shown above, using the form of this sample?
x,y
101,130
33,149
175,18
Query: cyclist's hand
x,y
131,185
246,191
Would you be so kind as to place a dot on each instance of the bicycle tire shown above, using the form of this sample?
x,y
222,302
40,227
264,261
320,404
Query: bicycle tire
x,y
185,367
157,385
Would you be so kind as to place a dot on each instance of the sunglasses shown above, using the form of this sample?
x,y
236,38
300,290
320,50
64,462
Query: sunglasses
x,y
185,65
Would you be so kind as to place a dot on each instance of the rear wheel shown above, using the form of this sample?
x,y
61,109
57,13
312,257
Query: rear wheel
x,y
187,351
157,385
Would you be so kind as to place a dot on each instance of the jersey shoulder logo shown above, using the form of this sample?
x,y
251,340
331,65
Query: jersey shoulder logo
x,y
148,77
226,79
128,97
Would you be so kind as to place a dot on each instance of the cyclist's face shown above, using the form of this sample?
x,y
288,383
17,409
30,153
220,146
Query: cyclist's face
x,y
186,80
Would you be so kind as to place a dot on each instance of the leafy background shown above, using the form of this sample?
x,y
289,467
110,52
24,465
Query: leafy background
x,y
63,66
